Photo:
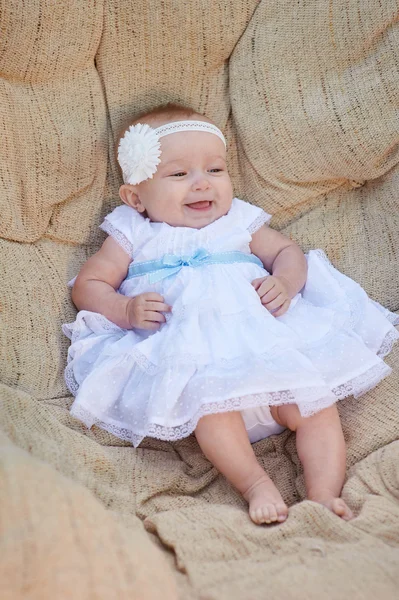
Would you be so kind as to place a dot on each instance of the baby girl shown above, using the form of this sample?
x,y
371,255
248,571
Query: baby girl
x,y
195,316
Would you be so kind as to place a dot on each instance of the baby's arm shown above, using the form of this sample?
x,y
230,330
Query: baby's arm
x,y
285,260
95,290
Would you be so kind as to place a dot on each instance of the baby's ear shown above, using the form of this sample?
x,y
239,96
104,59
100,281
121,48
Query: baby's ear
x,y
128,195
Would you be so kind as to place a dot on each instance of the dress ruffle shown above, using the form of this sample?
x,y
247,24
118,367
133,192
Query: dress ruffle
x,y
232,354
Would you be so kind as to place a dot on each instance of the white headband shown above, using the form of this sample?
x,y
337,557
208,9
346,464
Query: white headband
x,y
139,149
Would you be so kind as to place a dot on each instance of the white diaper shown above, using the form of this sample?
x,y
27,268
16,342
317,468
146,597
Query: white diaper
x,y
259,423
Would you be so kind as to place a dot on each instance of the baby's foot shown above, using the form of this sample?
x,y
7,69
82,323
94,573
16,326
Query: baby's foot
x,y
265,502
337,506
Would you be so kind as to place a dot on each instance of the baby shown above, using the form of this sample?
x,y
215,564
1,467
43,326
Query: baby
x,y
195,316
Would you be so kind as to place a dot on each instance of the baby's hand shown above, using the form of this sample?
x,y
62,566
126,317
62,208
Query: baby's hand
x,y
145,311
273,291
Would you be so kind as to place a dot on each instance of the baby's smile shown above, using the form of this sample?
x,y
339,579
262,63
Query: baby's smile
x,y
200,205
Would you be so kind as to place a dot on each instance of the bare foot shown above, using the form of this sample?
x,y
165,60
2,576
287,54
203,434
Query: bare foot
x,y
337,506
265,502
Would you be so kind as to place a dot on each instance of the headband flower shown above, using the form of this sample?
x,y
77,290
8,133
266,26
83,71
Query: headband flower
x,y
138,153
139,149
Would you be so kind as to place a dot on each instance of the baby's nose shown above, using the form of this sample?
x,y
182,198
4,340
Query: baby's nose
x,y
200,183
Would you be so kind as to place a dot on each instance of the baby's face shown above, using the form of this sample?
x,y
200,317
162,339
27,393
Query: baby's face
x,y
191,187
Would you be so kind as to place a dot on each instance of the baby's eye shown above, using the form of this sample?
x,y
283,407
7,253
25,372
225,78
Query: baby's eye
x,y
215,170
180,174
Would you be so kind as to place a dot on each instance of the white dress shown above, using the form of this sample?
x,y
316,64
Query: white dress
x,y
220,349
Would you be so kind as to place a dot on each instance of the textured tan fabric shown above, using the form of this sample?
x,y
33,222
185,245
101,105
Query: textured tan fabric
x,y
53,120
57,541
321,84
34,300
308,96
359,230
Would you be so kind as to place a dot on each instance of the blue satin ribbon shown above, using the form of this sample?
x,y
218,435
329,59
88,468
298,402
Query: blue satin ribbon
x,y
171,263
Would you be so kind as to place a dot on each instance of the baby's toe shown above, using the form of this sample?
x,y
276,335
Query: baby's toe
x,y
271,509
257,516
282,512
269,513
340,508
260,515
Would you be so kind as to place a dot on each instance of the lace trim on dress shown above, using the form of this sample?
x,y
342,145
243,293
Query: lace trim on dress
x,y
259,221
74,333
143,362
176,433
356,387
363,383
118,237
182,312
387,343
70,380
392,317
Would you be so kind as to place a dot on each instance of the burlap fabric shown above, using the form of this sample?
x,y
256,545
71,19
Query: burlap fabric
x,y
308,95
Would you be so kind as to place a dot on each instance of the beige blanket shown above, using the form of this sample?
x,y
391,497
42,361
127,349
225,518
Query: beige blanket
x,y
307,94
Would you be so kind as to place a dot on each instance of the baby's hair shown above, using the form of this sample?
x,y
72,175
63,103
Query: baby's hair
x,y
168,112
160,115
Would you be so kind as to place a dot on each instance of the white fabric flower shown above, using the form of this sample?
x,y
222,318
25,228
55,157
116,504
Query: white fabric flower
x,y
138,153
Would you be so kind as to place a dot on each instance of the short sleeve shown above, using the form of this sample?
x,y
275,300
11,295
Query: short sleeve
x,y
252,217
121,224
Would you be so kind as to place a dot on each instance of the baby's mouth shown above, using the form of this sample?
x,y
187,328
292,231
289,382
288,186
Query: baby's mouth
x,y
200,205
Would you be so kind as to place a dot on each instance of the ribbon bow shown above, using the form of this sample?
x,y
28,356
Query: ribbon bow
x,y
171,264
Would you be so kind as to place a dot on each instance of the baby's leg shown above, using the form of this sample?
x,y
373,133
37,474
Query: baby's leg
x,y
321,449
224,441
